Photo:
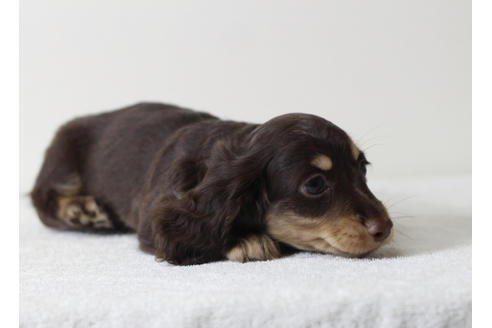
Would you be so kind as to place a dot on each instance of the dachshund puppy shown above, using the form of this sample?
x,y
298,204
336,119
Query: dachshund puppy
x,y
198,189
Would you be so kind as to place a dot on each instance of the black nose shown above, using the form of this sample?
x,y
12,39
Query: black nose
x,y
378,228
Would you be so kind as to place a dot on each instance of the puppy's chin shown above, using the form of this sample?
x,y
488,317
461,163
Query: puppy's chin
x,y
343,236
326,248
322,246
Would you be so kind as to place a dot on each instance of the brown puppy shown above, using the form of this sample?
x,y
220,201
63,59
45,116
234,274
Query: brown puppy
x,y
198,189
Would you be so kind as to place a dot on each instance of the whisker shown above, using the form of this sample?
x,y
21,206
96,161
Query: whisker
x,y
397,213
403,234
392,198
368,132
365,149
370,140
399,201
402,217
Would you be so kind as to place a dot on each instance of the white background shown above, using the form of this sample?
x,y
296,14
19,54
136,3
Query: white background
x,y
396,75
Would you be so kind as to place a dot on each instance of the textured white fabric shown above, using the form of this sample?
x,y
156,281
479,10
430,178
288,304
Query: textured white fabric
x,y
422,279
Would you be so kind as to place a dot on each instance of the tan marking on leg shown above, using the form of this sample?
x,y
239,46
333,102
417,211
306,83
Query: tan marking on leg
x,y
91,205
71,187
81,211
322,162
254,247
355,150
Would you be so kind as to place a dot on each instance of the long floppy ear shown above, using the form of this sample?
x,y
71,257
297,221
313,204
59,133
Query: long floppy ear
x,y
198,225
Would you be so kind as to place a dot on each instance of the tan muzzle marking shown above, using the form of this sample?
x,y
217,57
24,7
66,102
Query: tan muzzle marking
x,y
345,236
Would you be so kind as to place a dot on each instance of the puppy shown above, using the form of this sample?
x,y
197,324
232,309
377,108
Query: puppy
x,y
198,189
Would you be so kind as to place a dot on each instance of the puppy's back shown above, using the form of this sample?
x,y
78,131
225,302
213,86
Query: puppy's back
x,y
107,155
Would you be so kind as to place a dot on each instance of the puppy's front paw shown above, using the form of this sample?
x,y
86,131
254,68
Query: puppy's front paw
x,y
253,248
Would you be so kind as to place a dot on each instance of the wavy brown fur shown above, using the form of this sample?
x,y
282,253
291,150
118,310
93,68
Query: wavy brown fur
x,y
192,186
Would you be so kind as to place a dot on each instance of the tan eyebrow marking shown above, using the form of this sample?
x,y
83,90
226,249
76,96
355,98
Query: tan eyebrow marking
x,y
322,162
355,150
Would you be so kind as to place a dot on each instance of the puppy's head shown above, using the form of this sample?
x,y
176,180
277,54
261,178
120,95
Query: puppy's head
x,y
318,199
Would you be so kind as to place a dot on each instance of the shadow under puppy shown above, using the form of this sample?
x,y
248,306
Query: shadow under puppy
x,y
198,189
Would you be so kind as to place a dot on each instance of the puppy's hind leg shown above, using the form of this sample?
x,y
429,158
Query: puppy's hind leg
x,y
81,212
58,192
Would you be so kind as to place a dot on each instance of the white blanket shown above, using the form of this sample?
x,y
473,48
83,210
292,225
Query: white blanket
x,y
422,279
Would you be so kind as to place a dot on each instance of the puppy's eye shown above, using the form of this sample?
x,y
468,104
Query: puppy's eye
x,y
363,168
315,185
363,165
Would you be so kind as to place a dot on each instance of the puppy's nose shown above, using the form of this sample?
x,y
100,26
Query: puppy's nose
x,y
378,228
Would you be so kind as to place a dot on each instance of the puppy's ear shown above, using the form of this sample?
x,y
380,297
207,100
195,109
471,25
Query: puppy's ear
x,y
200,224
